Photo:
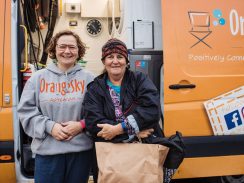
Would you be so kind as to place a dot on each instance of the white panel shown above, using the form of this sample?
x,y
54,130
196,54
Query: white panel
x,y
94,8
148,10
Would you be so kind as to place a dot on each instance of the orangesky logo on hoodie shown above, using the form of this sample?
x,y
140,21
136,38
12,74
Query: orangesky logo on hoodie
x,y
62,87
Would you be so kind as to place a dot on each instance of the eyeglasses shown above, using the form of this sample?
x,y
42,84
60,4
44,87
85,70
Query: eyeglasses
x,y
63,47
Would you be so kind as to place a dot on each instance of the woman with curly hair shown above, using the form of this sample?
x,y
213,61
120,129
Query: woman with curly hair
x,y
50,111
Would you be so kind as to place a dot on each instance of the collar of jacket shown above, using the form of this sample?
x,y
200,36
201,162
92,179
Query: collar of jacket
x,y
101,79
101,82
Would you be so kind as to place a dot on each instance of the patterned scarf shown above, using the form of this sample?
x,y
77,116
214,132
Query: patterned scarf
x,y
118,110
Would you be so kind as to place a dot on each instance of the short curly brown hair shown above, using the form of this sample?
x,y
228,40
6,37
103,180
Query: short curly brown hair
x,y
51,49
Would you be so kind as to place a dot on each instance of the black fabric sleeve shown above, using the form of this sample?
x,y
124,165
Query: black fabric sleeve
x,y
147,110
94,114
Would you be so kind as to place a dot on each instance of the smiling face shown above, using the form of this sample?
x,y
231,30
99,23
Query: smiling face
x,y
115,65
66,52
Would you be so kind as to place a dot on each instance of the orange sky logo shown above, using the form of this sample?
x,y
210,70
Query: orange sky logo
x,y
200,26
218,15
62,87
236,23
201,23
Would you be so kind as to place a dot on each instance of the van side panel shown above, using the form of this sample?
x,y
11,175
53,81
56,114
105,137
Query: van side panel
x,y
7,167
7,172
210,166
7,74
203,58
2,6
214,68
6,126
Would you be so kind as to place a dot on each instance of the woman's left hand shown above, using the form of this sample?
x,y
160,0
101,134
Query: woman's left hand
x,y
72,128
108,131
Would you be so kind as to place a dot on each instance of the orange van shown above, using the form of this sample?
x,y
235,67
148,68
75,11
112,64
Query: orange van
x,y
203,51
203,44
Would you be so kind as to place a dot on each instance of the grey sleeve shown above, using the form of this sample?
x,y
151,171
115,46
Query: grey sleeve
x,y
34,123
133,123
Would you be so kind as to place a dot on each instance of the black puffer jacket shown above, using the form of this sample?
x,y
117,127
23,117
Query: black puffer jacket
x,y
139,97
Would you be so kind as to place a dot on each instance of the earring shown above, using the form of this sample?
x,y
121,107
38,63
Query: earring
x,y
128,65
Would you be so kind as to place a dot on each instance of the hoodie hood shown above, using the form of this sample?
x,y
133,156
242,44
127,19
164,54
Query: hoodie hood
x,y
54,68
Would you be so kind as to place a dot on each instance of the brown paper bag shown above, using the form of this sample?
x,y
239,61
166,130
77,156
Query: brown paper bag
x,y
130,162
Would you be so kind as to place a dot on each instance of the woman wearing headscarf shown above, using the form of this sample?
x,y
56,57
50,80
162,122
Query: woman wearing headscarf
x,y
121,104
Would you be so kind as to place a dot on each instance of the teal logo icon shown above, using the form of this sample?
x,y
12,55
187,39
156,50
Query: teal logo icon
x,y
217,13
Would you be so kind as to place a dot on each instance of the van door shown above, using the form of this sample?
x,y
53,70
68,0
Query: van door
x,y
203,58
201,61
1,51
7,173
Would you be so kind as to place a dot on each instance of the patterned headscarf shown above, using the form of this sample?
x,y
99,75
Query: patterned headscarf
x,y
114,46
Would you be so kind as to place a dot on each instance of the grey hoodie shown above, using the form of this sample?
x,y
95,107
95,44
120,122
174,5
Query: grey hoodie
x,y
51,96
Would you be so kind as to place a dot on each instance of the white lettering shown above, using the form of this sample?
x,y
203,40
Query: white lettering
x,y
206,57
235,58
236,25
242,25
234,16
